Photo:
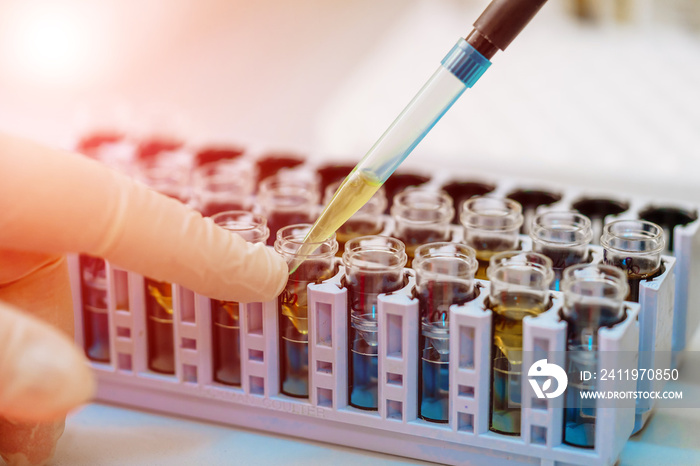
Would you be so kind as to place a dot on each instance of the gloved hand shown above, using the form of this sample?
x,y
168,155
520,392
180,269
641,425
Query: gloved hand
x,y
53,202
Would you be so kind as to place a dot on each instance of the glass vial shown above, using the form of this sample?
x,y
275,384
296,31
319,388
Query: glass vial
x,y
444,276
519,287
421,216
225,315
287,201
635,246
593,298
318,265
93,287
224,185
366,221
491,225
373,265
563,237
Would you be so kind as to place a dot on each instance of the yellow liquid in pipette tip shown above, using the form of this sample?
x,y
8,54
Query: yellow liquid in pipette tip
x,y
356,190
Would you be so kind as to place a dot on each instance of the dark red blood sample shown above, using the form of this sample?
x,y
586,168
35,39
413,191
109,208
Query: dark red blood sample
x,y
149,149
400,181
271,163
210,155
331,173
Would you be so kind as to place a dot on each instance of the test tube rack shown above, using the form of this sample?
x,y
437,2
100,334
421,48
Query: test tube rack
x,y
667,314
395,428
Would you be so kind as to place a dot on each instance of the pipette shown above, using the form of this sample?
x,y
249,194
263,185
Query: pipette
x,y
494,30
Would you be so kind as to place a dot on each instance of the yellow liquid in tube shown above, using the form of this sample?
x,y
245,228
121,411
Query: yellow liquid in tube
x,y
354,193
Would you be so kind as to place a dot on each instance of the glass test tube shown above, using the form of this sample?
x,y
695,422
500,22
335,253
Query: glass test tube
x,y
422,216
366,221
563,237
491,225
287,201
93,281
444,276
225,315
224,185
519,287
373,265
318,265
635,246
172,180
593,298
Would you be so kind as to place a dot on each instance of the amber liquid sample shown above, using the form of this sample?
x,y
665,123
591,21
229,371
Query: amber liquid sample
x,y
507,359
354,229
294,327
159,326
486,247
93,281
355,191
226,342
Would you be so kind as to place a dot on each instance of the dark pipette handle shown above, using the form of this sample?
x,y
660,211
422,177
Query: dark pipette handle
x,y
500,23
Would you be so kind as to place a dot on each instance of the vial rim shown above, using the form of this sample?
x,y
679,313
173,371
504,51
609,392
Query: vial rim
x,y
512,213
583,226
656,239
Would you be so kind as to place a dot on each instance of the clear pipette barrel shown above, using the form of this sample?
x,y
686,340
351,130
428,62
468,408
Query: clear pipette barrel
x,y
459,70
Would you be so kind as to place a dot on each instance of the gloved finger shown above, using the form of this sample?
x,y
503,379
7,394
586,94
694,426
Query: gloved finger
x,y
43,373
56,202
29,443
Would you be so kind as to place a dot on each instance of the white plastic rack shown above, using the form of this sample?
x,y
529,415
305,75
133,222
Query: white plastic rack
x,y
661,321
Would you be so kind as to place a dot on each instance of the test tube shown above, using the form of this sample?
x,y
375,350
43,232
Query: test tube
x,y
563,237
373,265
287,201
172,180
224,185
519,287
444,276
367,220
635,246
318,265
225,315
491,225
93,281
421,216
593,298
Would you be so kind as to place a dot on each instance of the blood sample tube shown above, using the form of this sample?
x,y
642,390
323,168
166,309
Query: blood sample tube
x,y
444,276
373,265
563,237
285,200
593,298
226,333
318,265
367,220
93,289
519,287
635,246
491,225
422,216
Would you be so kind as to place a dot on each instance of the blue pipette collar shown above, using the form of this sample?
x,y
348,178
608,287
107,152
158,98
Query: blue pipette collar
x,y
466,63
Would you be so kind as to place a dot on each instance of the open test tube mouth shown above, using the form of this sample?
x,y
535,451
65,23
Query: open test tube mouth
x,y
447,264
638,237
285,193
561,229
374,254
515,272
250,226
290,240
419,206
491,214
594,286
